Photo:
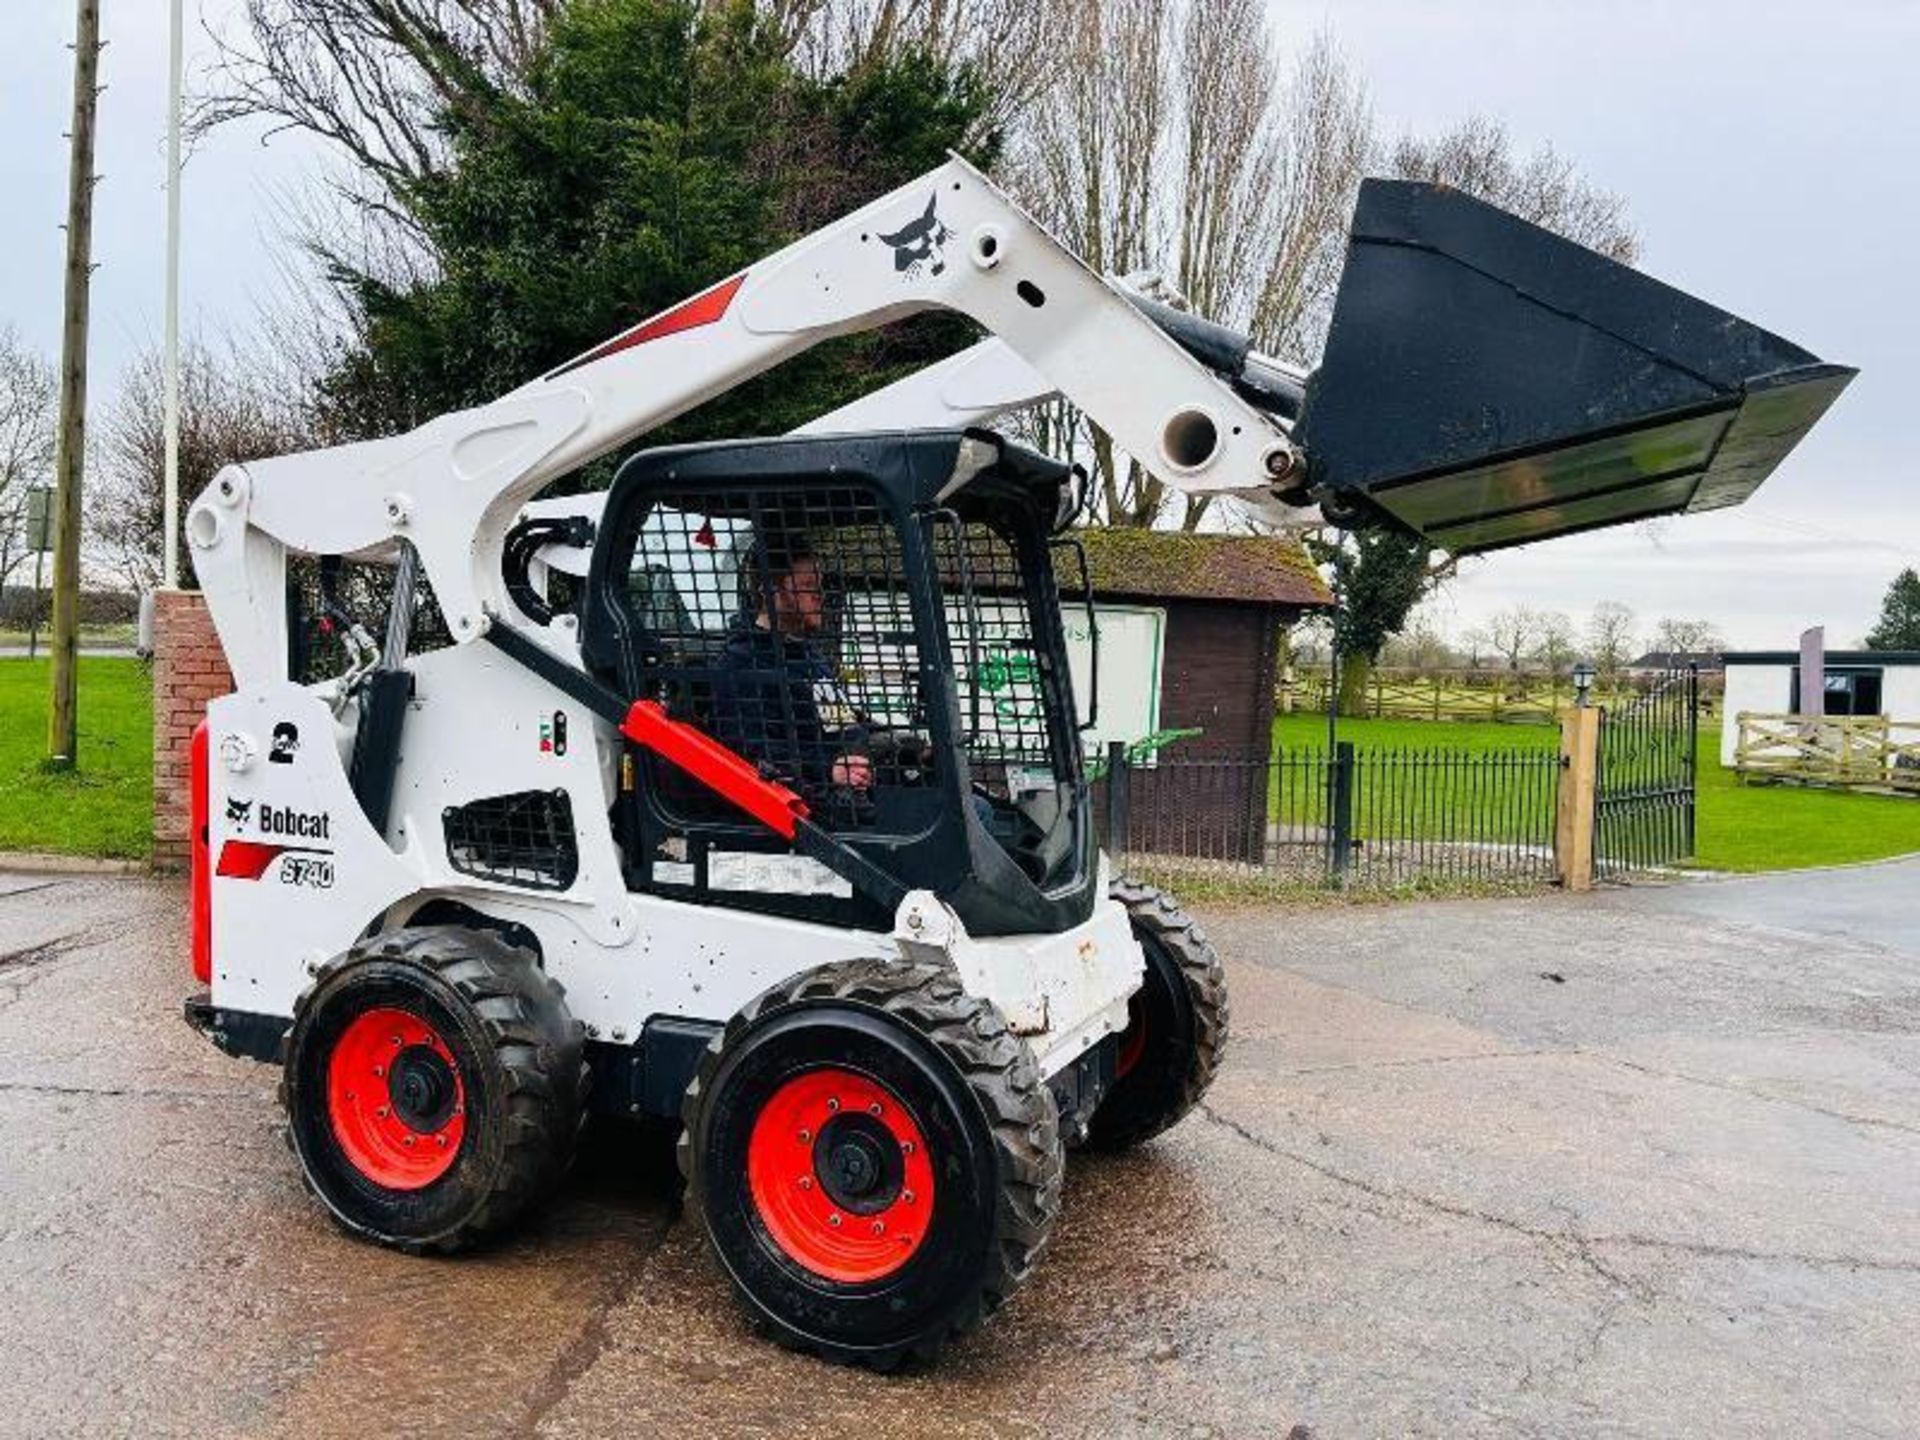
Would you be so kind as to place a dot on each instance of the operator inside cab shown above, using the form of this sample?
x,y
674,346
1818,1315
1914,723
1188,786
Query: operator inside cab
x,y
777,696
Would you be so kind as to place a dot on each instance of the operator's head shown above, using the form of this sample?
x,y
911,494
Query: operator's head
x,y
796,597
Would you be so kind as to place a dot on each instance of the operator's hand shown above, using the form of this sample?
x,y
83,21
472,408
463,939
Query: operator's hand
x,y
854,770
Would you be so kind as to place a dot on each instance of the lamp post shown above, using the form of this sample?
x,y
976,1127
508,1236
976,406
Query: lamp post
x,y
1583,685
170,354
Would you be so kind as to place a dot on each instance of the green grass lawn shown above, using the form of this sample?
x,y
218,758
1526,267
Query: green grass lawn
x,y
1749,827
1475,737
1453,780
105,806
1739,827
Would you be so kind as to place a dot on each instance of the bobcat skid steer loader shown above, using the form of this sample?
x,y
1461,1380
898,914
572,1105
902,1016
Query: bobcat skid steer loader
x,y
706,811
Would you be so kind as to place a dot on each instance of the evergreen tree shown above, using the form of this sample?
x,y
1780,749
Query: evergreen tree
x,y
1377,577
1899,627
650,149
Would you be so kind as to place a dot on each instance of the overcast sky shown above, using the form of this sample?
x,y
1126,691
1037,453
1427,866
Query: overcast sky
x,y
1768,149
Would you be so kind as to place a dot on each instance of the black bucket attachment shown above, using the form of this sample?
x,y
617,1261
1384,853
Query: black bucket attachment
x,y
1488,383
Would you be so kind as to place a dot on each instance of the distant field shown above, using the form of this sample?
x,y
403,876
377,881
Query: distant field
x,y
92,637
105,807
1740,827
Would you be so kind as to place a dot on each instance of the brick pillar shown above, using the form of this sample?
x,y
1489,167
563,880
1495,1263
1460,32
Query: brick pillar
x,y
189,669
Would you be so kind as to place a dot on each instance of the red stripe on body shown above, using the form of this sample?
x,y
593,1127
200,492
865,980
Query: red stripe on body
x,y
247,859
703,309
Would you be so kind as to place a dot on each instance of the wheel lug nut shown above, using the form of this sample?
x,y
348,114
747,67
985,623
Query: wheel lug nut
x,y
806,1136
907,1195
379,1070
879,1227
441,1141
396,1042
874,1108
408,1142
383,1112
906,1147
833,1102
834,1220
806,1182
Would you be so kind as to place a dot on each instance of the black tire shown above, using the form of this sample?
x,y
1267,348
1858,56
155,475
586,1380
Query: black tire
x,y
506,1067
1177,1024
961,1078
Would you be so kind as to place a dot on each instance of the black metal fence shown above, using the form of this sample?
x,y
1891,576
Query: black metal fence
x,y
1644,791
1373,818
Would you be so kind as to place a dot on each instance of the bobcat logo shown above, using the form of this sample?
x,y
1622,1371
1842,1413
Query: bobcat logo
x,y
920,243
238,811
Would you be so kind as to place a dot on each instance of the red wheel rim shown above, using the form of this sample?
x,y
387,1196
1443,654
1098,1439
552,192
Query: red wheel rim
x,y
840,1177
1133,1039
395,1099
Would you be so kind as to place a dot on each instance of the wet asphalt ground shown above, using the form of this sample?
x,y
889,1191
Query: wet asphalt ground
x,y
1644,1163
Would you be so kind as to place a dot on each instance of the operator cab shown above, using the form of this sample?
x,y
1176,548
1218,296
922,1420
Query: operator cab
x,y
872,621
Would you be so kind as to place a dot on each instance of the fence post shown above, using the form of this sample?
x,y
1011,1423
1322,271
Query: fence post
x,y
1342,817
1573,830
1117,784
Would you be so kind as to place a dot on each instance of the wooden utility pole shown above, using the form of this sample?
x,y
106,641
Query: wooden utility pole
x,y
70,452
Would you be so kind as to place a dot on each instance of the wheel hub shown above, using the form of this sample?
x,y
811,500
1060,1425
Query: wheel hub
x,y
859,1164
423,1088
395,1101
839,1175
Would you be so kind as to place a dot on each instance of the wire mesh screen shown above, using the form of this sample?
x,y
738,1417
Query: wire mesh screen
x,y
1002,675
525,838
780,620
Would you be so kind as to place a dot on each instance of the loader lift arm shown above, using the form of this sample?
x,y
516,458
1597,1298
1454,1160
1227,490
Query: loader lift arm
x,y
454,487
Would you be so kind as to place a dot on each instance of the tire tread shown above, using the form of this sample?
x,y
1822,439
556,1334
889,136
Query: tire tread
x,y
540,1048
1002,1075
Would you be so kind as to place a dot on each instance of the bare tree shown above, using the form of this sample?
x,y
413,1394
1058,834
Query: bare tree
x,y
1513,633
1422,645
29,399
1687,637
1011,44
230,410
1545,187
370,77
1326,147
1174,145
1610,640
1090,168
1555,643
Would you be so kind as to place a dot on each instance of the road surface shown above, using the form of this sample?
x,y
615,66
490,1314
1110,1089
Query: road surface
x,y
1642,1163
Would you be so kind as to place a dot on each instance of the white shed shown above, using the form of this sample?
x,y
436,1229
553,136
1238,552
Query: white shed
x,y
1858,682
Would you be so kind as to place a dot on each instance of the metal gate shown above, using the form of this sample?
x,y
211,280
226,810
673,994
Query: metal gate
x,y
1645,785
